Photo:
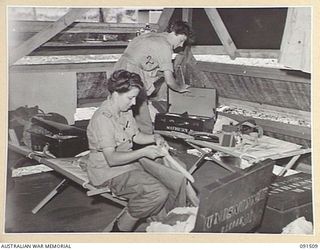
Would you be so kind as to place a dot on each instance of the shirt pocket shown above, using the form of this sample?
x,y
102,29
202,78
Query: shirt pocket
x,y
121,137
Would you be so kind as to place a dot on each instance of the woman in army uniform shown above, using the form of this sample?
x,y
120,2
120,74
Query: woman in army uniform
x,y
152,189
150,56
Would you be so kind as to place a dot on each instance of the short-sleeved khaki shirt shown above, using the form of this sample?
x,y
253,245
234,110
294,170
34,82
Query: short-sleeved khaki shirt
x,y
105,130
146,55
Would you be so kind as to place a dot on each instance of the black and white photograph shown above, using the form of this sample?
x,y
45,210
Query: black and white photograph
x,y
156,119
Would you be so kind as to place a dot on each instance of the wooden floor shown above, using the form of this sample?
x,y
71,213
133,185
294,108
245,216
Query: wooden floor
x,y
70,211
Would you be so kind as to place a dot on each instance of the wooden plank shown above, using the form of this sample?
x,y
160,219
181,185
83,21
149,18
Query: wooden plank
x,y
247,53
46,34
208,50
258,107
75,59
296,41
258,53
289,164
262,72
87,44
221,31
74,67
50,51
49,196
164,19
289,91
79,27
234,203
187,15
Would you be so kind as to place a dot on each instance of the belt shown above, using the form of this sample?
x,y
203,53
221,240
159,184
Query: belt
x,y
95,150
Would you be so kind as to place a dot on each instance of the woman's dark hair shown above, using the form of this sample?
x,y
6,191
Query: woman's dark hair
x,y
180,27
122,81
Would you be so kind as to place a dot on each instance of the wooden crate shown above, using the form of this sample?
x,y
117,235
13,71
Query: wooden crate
x,y
235,202
289,198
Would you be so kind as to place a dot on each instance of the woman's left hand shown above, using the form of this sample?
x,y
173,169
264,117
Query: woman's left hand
x,y
160,141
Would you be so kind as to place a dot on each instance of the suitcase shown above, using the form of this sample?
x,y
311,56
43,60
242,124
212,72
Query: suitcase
x,y
63,140
191,111
235,202
290,197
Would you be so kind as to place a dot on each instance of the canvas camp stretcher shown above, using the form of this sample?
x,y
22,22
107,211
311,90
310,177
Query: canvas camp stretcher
x,y
70,170
266,148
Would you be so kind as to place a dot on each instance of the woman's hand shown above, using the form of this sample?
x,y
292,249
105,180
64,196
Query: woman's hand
x,y
184,89
153,152
160,141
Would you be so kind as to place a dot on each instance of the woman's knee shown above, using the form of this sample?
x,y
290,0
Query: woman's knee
x,y
155,193
162,194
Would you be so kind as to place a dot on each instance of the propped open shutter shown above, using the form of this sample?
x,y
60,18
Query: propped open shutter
x,y
296,42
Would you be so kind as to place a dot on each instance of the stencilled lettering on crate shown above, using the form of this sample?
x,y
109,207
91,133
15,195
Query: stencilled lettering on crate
x,y
238,215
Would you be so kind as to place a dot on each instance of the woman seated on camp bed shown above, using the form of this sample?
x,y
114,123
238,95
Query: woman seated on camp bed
x,y
152,189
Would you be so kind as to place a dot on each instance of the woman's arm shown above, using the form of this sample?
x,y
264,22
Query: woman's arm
x,y
171,82
118,158
143,139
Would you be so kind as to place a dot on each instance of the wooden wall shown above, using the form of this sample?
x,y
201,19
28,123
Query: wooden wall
x,y
57,88
282,88
52,92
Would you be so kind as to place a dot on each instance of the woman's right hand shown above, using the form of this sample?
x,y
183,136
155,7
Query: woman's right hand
x,y
153,152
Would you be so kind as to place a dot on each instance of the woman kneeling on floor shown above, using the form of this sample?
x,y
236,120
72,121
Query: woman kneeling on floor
x,y
151,188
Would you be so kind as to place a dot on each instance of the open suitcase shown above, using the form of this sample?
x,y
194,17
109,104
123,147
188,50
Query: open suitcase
x,y
62,141
194,110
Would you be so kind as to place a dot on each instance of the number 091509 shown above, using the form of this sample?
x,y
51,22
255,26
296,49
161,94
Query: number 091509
x,y
309,246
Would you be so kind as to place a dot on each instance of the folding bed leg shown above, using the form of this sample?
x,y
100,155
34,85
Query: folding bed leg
x,y
110,225
290,164
46,199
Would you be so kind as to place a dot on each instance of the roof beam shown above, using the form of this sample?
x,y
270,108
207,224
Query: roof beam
x,y
165,18
221,31
187,15
208,50
78,27
46,34
249,53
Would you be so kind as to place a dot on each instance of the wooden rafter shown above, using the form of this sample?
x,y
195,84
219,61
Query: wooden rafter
x,y
165,18
254,71
208,50
248,53
46,34
221,31
79,27
187,15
